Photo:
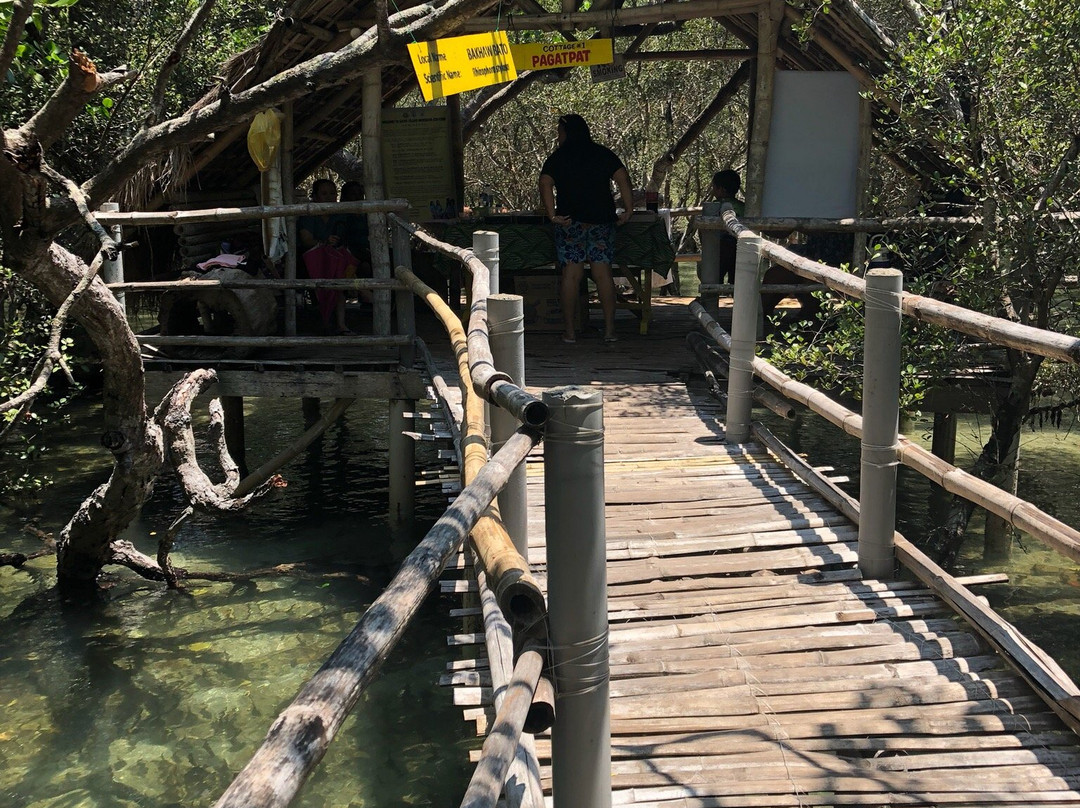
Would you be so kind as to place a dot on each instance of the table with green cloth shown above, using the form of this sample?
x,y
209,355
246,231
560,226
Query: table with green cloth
x,y
641,248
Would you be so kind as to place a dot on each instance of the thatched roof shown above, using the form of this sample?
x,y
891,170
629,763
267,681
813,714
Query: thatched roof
x,y
328,118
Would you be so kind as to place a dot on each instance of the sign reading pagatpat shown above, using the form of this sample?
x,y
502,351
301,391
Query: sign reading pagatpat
x,y
450,66
548,55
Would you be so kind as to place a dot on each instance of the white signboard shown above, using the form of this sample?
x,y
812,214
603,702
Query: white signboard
x,y
813,146
615,70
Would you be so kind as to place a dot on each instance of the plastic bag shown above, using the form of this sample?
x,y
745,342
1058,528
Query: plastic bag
x,y
264,139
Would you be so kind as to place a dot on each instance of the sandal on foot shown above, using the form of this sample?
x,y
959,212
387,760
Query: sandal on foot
x,y
569,340
611,338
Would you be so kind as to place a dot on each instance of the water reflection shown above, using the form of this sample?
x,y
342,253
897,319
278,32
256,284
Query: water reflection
x,y
156,698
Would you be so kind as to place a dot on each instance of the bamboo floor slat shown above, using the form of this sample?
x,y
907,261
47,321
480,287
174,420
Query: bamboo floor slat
x,y
750,665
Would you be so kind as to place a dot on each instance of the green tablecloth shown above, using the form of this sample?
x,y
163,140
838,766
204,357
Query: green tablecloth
x,y
523,247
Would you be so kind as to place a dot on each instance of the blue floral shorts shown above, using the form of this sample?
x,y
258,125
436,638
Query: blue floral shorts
x,y
579,242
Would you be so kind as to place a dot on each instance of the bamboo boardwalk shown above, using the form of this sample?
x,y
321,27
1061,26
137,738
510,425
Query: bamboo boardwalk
x,y
750,665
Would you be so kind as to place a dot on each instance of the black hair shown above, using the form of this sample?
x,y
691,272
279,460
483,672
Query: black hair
x,y
727,181
315,186
575,128
352,185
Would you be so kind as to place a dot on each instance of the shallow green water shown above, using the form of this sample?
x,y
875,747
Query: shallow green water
x,y
158,698
1042,597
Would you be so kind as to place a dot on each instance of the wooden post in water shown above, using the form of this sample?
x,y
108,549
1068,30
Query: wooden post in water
x,y
233,409
709,265
112,271
506,328
402,463
998,534
943,445
744,325
577,597
880,417
374,188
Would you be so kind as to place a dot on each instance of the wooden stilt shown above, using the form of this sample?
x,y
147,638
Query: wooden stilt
x,y
374,188
233,407
402,463
943,445
288,188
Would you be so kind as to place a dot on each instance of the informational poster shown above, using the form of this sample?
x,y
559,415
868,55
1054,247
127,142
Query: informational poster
x,y
418,162
549,55
813,145
456,64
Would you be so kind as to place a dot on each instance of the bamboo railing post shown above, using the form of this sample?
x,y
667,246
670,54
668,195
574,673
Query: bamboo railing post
x,y
709,265
404,300
577,597
506,316
744,325
880,422
485,246
112,270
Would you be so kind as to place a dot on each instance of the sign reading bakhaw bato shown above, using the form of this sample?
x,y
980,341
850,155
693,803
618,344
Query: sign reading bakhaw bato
x,y
451,66
548,55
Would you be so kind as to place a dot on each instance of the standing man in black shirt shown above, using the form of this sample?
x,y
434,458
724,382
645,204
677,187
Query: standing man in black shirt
x,y
578,175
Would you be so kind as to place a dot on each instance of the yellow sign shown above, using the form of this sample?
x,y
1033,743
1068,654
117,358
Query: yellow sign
x,y
450,66
547,55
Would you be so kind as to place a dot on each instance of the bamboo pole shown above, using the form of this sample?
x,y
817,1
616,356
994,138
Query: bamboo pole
x,y
288,181
184,217
501,746
843,225
508,349
350,284
1020,514
1040,671
300,735
577,585
374,187
881,413
493,385
744,323
404,299
770,14
994,329
728,289
358,341
517,590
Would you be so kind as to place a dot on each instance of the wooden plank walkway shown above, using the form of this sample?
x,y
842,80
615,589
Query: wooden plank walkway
x,y
750,665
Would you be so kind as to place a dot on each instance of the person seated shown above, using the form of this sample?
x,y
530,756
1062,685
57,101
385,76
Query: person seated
x,y
725,189
356,235
321,238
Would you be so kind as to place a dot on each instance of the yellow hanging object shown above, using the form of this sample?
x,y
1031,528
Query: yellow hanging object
x,y
264,138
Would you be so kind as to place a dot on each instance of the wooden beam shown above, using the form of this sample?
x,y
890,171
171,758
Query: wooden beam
x,y
708,55
662,12
374,188
315,384
183,217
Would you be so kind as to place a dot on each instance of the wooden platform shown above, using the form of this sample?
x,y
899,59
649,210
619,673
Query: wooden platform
x,y
750,666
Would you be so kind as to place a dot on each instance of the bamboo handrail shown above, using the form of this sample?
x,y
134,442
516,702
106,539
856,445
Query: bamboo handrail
x,y
518,592
136,219
493,385
994,329
1040,671
501,744
300,735
1017,512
